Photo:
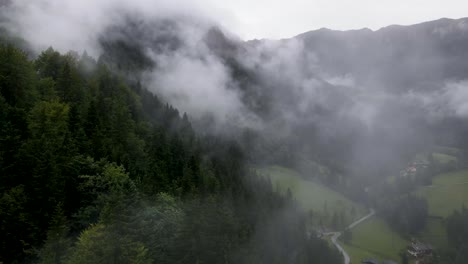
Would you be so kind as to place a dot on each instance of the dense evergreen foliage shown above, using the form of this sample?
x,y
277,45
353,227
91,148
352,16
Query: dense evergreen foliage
x,y
96,169
457,234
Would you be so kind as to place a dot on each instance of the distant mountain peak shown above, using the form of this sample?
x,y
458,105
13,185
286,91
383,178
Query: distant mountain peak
x,y
442,22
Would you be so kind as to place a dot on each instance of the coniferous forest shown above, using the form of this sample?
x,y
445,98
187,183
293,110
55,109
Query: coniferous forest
x,y
96,169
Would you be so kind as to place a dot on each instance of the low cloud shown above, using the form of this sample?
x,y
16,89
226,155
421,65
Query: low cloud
x,y
76,25
198,84
334,88
451,100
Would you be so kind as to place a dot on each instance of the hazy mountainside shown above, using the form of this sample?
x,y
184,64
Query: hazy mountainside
x,y
399,57
325,95
359,102
406,83
364,98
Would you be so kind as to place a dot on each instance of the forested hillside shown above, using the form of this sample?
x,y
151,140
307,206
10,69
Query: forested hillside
x,y
164,137
96,169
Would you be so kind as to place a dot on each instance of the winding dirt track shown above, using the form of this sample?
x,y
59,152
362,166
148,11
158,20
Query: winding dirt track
x,y
336,235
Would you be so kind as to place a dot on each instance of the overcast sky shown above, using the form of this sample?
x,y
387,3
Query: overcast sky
x,y
281,18
249,19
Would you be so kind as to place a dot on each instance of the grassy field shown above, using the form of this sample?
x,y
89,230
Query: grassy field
x,y
435,233
375,239
443,158
446,150
323,201
448,192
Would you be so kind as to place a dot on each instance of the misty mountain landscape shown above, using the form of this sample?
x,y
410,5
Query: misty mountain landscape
x,y
150,132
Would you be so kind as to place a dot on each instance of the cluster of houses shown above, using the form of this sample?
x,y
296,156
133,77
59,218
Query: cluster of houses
x,y
420,250
413,168
416,249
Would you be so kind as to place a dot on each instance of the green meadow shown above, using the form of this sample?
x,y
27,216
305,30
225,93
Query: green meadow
x,y
374,239
448,192
312,196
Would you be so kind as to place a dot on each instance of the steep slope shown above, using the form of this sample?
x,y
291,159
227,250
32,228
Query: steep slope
x,y
398,56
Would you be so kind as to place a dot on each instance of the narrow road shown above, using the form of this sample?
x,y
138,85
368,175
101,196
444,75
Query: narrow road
x,y
336,235
357,222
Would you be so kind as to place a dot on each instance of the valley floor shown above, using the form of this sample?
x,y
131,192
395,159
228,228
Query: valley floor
x,y
373,238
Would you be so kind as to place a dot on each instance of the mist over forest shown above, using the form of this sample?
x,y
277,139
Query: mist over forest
x,y
149,132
